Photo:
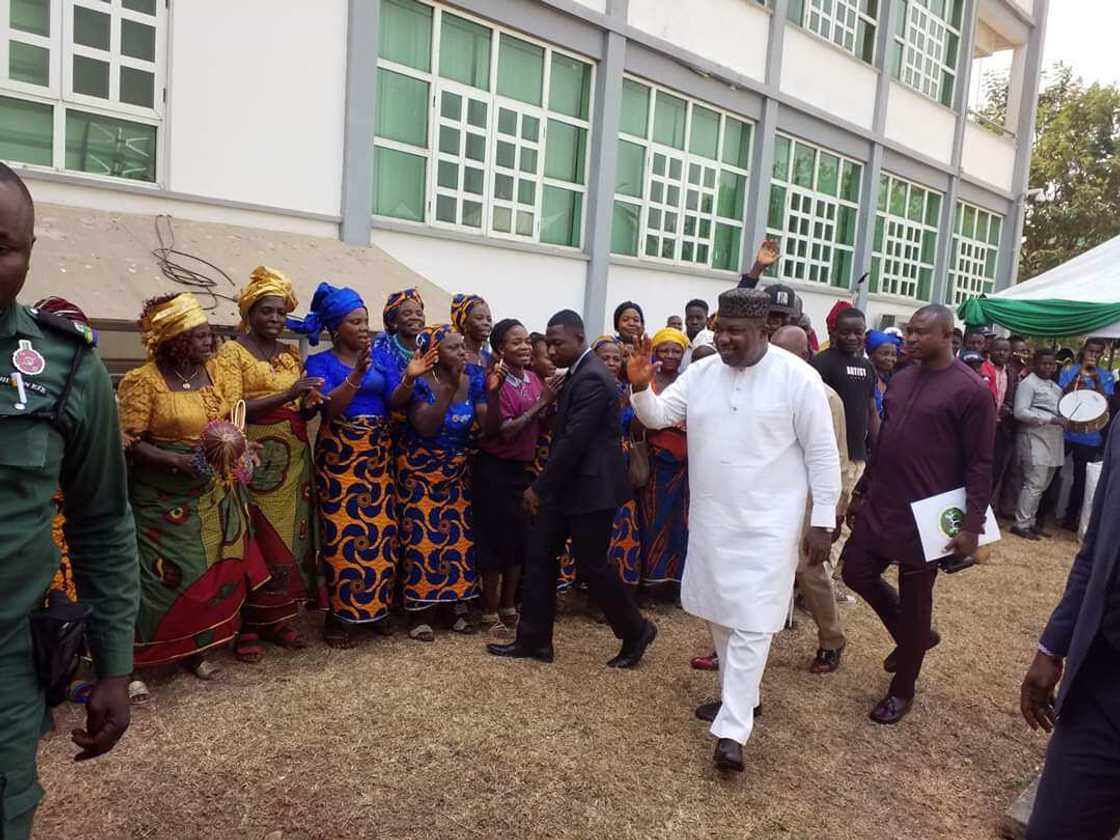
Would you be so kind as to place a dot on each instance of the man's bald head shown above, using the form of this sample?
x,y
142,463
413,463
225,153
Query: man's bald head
x,y
792,339
936,314
17,234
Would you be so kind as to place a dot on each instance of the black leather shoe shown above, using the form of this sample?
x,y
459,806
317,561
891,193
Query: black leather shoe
x,y
1041,533
517,650
729,755
890,664
632,652
891,709
708,711
1024,533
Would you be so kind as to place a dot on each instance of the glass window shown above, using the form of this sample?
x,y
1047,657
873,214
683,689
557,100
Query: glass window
x,y
91,28
736,143
704,134
813,214
398,181
405,33
107,146
975,253
926,46
464,51
631,168
138,40
634,118
625,220
32,16
561,216
520,70
147,7
669,120
137,87
725,248
850,24
565,152
570,86
29,63
402,107
26,131
91,77
905,244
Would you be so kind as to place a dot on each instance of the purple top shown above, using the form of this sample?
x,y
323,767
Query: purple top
x,y
515,399
937,435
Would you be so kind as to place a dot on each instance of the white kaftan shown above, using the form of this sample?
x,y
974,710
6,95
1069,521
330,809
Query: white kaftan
x,y
759,438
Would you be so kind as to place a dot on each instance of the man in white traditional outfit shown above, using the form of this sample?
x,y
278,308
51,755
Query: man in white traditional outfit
x,y
760,438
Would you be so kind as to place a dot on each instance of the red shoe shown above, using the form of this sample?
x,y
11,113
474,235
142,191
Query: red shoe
x,y
705,663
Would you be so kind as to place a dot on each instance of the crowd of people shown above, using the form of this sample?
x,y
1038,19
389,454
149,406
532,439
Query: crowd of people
x,y
460,474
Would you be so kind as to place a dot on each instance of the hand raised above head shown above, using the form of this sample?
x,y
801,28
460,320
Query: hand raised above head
x,y
768,253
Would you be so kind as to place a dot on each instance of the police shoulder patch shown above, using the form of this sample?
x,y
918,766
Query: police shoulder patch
x,y
77,331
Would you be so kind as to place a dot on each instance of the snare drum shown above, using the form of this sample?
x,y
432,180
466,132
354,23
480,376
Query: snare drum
x,y
1086,411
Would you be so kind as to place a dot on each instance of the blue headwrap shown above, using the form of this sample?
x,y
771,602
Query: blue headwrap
x,y
877,338
329,308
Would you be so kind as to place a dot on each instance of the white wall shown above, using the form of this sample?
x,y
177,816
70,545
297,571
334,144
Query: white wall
x,y
597,5
879,305
732,33
988,157
659,293
919,123
256,98
825,76
517,284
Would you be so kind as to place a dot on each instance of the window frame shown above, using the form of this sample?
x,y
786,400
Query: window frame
x,y
966,248
437,84
778,270
688,158
811,7
910,58
59,94
879,254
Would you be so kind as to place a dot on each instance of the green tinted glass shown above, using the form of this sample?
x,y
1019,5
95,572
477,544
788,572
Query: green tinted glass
x,y
669,119
107,146
464,51
725,247
704,132
91,77
565,152
804,162
634,118
28,63
520,70
736,143
26,131
402,107
569,86
148,7
561,216
732,195
137,87
624,228
405,33
398,184
828,178
31,16
631,168
849,181
91,29
781,158
138,40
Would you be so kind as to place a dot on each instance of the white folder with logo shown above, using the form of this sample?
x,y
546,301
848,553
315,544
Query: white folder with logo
x,y
940,518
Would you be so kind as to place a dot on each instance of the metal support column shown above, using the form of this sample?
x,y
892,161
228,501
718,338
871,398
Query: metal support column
x,y
357,150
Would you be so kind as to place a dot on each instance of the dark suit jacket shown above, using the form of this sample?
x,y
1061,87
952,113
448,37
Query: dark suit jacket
x,y
1076,620
586,471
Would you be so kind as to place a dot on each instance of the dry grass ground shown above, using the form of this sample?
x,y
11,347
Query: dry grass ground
x,y
399,739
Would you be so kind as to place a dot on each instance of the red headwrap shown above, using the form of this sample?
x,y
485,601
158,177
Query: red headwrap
x,y
834,314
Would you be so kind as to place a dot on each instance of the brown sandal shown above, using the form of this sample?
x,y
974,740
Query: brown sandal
x,y
285,636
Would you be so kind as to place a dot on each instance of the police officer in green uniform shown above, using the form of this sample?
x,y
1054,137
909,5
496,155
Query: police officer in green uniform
x,y
58,429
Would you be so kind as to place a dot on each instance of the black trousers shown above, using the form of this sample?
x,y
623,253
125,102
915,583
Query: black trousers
x,y
1082,454
591,536
907,613
1079,792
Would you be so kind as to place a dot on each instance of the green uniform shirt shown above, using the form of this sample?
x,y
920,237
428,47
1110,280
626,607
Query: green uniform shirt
x,y
85,460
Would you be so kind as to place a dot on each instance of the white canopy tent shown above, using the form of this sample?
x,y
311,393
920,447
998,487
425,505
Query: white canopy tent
x,y
1092,277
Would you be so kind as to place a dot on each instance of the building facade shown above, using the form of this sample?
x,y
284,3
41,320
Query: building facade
x,y
550,153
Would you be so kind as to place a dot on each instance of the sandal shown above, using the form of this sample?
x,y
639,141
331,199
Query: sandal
x,y
138,693
422,633
248,648
338,635
285,636
201,667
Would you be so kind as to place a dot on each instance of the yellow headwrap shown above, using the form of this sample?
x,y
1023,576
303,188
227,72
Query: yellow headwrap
x,y
265,282
670,334
167,320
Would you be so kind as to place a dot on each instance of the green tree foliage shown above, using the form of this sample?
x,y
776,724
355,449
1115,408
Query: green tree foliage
x,y
1075,163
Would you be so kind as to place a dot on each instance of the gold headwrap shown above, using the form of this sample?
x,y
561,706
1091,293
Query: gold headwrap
x,y
169,319
265,282
669,334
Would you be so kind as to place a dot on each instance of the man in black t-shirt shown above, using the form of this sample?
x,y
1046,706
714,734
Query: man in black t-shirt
x,y
849,372
845,369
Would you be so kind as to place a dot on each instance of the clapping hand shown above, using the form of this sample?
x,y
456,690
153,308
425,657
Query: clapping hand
x,y
640,367
495,377
421,364
305,387
552,388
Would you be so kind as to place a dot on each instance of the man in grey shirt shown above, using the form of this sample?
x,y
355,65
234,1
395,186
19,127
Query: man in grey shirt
x,y
1041,450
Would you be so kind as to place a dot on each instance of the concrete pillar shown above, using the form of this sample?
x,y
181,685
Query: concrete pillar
x,y
357,149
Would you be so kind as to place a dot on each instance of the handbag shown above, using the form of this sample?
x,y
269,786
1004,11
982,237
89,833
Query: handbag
x,y
58,633
639,462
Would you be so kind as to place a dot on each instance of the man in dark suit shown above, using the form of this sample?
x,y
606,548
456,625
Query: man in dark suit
x,y
1079,793
577,494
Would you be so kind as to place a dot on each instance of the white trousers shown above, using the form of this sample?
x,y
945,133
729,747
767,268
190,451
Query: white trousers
x,y
742,659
